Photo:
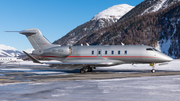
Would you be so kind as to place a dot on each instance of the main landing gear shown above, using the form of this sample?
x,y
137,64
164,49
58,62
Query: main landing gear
x,y
86,69
153,67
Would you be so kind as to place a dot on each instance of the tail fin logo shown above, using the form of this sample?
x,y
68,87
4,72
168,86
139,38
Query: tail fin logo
x,y
44,43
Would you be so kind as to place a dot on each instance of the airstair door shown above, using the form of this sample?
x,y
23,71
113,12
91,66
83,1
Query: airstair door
x,y
99,52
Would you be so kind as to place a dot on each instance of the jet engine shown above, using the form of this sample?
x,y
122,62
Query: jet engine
x,y
61,51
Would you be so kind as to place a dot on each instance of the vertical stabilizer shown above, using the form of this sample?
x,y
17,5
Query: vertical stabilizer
x,y
37,40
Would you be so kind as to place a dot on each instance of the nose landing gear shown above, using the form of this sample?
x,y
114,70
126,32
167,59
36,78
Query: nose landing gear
x,y
153,67
153,71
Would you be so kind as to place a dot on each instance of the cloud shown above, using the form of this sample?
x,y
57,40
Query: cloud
x,y
29,50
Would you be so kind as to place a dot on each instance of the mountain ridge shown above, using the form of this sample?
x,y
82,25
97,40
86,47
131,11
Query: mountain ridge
x,y
96,23
8,51
148,29
152,22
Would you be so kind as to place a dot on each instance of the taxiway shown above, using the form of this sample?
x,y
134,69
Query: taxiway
x,y
24,82
11,74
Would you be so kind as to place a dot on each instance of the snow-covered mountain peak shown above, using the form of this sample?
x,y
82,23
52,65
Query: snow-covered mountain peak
x,y
116,11
8,51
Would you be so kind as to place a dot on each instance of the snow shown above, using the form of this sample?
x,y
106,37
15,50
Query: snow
x,y
159,5
3,53
16,69
8,51
34,71
30,63
158,46
156,7
171,66
116,11
162,88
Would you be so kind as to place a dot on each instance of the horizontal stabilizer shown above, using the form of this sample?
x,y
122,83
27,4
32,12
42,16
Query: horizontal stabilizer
x,y
13,31
37,40
25,32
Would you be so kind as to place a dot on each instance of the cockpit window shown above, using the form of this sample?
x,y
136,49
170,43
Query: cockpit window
x,y
149,49
155,49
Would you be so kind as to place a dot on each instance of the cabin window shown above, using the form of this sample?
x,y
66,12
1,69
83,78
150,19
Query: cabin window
x,y
125,52
119,52
99,52
112,52
92,52
106,52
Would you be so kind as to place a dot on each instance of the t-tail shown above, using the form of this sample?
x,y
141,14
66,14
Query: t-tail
x,y
37,40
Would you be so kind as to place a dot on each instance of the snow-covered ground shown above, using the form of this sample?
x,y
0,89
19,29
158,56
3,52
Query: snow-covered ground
x,y
171,66
162,88
34,71
166,88
30,67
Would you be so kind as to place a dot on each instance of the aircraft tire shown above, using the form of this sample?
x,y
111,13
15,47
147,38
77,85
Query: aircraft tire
x,y
90,69
82,71
153,71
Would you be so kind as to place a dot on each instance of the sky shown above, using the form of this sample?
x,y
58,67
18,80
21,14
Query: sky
x,y
54,18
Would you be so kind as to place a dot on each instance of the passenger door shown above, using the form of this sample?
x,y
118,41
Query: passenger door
x,y
99,52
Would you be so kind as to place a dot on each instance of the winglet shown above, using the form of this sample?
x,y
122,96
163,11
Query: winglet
x,y
32,58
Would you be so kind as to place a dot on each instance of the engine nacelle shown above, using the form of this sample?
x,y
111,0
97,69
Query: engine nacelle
x,y
61,51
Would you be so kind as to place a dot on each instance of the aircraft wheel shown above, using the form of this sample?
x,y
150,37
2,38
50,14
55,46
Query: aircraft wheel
x,y
82,71
153,71
90,69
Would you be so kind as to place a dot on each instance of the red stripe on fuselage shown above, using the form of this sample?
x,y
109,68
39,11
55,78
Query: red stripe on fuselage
x,y
129,57
50,56
112,57
103,56
82,56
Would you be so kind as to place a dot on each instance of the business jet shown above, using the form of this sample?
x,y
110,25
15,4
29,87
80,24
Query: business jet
x,y
89,57
4,60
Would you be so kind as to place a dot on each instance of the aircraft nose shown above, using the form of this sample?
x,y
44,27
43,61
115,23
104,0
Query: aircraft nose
x,y
168,59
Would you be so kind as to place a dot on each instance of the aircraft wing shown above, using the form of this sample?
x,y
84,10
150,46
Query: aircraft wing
x,y
75,64
32,58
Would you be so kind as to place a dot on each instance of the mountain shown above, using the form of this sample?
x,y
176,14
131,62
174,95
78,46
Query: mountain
x,y
148,6
7,51
115,12
99,21
152,22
